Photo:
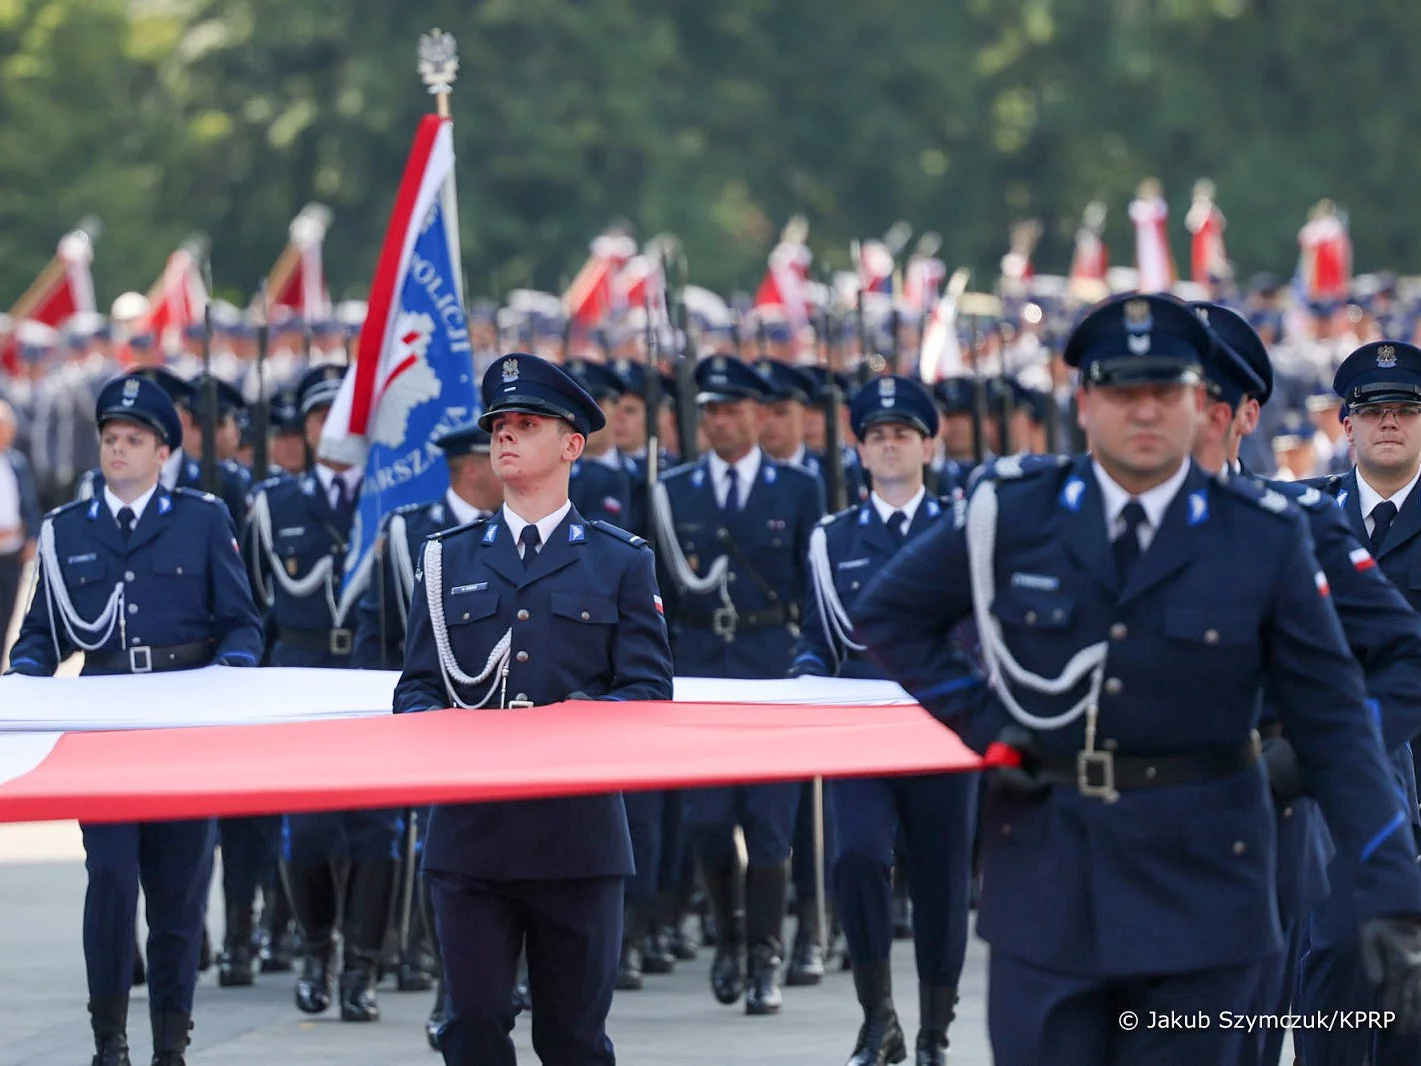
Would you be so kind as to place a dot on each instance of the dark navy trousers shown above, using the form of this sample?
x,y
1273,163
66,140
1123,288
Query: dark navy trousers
x,y
173,863
937,814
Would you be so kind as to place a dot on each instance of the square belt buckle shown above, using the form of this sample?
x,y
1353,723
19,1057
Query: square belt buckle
x,y
1095,775
140,660
341,642
723,622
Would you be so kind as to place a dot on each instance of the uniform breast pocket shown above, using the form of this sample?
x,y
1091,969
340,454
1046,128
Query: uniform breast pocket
x,y
185,565
1035,609
85,573
1210,626
464,608
589,610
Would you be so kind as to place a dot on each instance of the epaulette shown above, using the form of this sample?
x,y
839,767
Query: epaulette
x,y
196,494
443,533
829,519
1017,467
619,533
1259,494
679,471
408,508
1305,496
67,507
794,469
269,483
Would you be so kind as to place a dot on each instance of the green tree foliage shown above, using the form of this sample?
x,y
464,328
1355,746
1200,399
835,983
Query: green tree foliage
x,y
712,121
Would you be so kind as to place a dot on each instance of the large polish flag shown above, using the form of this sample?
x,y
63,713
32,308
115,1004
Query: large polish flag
x,y
220,742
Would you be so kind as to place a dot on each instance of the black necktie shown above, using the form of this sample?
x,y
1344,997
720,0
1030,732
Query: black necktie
x,y
1383,514
530,538
126,518
1127,545
897,523
732,495
344,509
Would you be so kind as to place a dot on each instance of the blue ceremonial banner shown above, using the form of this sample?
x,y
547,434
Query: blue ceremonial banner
x,y
414,375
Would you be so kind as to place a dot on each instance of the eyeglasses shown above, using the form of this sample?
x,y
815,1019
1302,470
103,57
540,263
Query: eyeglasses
x,y
1403,412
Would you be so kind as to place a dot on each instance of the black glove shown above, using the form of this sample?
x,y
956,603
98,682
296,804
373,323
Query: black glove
x,y
1285,776
1024,780
1391,959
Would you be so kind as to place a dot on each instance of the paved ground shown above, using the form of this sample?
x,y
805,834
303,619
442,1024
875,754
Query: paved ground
x,y
675,1020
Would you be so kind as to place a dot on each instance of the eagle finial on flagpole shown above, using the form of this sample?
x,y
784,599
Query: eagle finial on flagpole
x,y
439,66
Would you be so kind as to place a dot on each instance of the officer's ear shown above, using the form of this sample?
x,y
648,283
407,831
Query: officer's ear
x,y
1347,429
573,443
163,451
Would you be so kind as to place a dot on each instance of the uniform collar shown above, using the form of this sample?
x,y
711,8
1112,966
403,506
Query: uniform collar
x,y
115,504
1155,501
463,512
747,469
545,526
1368,497
327,477
886,510
611,458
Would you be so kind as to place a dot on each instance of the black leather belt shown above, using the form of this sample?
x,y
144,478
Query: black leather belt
x,y
1100,773
334,641
723,620
142,659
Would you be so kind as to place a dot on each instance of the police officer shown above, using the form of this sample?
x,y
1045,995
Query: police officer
x,y
1383,632
789,393
181,469
895,422
1128,857
1380,383
288,436
301,528
140,579
733,530
533,606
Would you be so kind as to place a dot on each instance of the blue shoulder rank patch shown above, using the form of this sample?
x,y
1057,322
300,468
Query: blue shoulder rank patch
x,y
865,515
1305,496
1341,497
576,533
165,504
1016,467
93,509
1198,507
491,533
934,508
1072,494
619,533
770,473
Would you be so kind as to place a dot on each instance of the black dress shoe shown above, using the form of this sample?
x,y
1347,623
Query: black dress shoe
x,y
414,977
880,1040
111,1051
727,977
277,951
629,971
234,965
806,964
656,956
316,986
358,1002
170,1038
680,944
436,1019
762,988
937,1006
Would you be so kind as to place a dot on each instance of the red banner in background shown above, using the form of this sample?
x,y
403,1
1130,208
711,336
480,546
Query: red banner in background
x,y
464,756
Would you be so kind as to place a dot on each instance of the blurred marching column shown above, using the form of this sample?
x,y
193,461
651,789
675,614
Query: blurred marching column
x,y
1154,262
781,305
1208,263
177,302
295,298
1091,258
64,289
1325,262
593,294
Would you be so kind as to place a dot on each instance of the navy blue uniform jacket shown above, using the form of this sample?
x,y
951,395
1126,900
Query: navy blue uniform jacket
x,y
182,576
585,618
1228,596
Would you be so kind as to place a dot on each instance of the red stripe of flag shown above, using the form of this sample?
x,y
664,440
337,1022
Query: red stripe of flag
x,y
382,290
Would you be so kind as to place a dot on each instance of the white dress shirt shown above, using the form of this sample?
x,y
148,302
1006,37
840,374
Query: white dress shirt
x,y
172,467
351,477
115,504
545,525
886,510
746,470
1155,501
1368,497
